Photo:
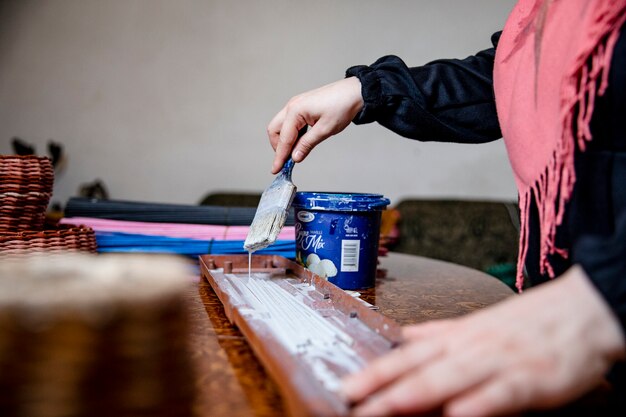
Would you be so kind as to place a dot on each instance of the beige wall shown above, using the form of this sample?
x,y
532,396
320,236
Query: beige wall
x,y
168,100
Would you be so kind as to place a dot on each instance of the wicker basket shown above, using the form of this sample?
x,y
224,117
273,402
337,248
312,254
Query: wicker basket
x,y
86,335
64,238
25,189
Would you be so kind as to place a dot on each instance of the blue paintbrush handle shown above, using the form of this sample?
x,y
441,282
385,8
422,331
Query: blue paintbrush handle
x,y
288,166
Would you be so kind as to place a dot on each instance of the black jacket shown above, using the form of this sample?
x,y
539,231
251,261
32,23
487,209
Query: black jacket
x,y
453,101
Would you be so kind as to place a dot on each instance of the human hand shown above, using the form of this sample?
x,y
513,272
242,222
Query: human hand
x,y
328,110
539,350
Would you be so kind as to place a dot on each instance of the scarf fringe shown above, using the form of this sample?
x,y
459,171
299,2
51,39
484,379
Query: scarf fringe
x,y
554,188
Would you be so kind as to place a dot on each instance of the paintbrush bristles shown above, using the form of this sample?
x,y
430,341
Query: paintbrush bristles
x,y
264,230
271,214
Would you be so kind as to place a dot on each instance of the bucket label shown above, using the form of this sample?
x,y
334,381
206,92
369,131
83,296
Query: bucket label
x,y
306,216
309,240
349,228
341,247
350,255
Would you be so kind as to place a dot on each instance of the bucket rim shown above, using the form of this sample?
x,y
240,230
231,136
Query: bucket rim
x,y
339,201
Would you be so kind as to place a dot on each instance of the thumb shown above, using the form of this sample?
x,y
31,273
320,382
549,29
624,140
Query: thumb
x,y
313,137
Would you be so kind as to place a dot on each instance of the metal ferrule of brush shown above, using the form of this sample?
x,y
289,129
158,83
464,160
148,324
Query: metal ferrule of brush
x,y
280,193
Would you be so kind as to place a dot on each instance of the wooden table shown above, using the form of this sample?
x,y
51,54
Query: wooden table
x,y
409,289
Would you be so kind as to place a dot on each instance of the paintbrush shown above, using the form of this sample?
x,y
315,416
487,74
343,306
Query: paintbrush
x,y
273,208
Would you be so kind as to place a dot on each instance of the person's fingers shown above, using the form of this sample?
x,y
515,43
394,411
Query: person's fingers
x,y
427,329
287,137
273,131
424,389
490,362
455,373
274,127
539,383
329,108
502,395
357,386
397,402
316,134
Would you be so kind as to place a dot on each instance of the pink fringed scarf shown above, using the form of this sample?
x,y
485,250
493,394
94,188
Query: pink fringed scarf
x,y
552,60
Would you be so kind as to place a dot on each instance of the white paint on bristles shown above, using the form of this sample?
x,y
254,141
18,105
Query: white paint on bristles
x,y
271,214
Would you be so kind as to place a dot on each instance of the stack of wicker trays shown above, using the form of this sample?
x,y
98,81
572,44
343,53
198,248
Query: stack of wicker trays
x,y
86,335
63,238
25,188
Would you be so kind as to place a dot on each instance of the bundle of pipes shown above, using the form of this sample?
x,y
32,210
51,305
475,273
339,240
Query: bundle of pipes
x,y
162,213
179,238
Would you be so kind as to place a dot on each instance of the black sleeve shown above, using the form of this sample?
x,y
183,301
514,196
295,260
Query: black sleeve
x,y
447,100
604,261
603,257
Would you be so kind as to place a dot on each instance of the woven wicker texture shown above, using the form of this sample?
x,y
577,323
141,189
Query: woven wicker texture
x,y
86,335
25,189
64,238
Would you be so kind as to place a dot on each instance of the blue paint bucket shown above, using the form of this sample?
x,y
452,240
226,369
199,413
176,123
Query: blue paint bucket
x,y
337,236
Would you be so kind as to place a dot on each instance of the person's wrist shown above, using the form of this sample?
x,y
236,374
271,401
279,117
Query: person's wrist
x,y
604,326
356,98
370,92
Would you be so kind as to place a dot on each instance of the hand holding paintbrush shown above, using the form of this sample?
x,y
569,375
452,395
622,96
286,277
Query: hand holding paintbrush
x,y
273,208
328,110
